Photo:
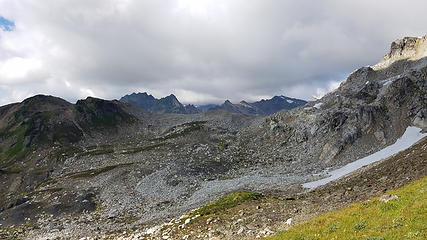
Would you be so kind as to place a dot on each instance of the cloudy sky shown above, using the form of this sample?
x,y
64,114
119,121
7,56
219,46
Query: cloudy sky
x,y
203,51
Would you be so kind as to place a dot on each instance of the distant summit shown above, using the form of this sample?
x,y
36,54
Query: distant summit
x,y
263,107
169,104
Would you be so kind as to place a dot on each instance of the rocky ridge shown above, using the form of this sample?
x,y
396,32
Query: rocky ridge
x,y
262,107
169,104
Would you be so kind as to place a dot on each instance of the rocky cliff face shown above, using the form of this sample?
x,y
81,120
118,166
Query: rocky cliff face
x,y
369,110
408,48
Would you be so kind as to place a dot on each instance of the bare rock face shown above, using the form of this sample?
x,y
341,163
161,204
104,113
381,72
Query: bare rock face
x,y
411,48
369,110
328,152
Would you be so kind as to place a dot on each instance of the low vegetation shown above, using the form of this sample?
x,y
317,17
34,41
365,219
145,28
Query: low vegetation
x,y
228,201
401,218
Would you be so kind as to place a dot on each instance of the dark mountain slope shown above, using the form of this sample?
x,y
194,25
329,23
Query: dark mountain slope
x,y
169,104
263,107
33,132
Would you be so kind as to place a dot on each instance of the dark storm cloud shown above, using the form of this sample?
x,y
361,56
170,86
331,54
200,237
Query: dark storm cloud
x,y
201,50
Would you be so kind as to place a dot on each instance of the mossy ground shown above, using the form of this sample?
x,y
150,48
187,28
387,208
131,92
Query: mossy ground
x,y
403,218
226,202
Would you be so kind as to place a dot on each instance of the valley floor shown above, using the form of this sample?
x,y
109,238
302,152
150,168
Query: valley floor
x,y
266,215
248,216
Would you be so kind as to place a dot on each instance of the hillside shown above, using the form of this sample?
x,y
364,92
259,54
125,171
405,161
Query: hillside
x,y
402,214
256,215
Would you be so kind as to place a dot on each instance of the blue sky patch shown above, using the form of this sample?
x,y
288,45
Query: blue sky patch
x,y
6,25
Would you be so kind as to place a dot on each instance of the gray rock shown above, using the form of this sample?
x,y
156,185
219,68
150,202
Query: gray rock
x,y
388,197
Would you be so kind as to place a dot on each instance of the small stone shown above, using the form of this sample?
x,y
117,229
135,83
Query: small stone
x,y
113,213
238,221
250,227
388,197
268,231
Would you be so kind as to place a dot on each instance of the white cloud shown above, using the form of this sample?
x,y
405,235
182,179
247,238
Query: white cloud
x,y
16,68
200,50
332,85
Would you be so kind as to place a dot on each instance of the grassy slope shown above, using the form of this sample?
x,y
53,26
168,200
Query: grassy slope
x,y
404,218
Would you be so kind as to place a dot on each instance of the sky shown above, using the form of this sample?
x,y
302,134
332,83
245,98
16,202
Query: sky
x,y
203,51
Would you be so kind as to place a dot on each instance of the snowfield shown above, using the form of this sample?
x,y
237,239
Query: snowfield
x,y
410,137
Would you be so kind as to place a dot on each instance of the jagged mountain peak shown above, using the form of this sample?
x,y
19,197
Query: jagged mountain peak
x,y
411,48
171,99
168,104
262,107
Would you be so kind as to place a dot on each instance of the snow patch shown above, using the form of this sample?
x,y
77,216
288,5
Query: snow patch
x,y
387,81
289,101
318,105
410,137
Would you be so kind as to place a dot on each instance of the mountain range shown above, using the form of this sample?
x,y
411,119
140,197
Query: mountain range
x,y
100,169
171,104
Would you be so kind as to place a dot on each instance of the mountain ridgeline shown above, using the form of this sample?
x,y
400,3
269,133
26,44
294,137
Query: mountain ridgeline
x,y
171,104
263,107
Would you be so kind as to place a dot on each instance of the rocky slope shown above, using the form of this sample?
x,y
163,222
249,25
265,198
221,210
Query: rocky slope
x,y
32,131
264,215
118,168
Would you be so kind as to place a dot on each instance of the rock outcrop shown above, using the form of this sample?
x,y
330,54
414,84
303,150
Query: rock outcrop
x,y
408,48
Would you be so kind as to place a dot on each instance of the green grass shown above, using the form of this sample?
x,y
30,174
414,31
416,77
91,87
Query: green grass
x,y
218,207
403,218
228,201
19,145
